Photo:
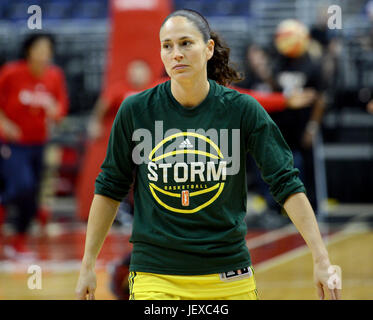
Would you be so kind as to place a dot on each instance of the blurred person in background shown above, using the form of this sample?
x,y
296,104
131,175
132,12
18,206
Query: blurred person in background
x,y
33,97
257,68
138,75
325,48
259,79
370,107
2,209
258,83
366,42
294,70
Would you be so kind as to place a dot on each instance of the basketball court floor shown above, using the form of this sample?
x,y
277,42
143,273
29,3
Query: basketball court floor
x,y
282,262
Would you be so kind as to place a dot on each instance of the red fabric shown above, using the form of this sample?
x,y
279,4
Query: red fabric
x,y
2,216
22,96
43,215
115,94
134,35
96,149
19,242
271,102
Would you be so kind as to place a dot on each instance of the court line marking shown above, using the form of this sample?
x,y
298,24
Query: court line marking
x,y
13,267
306,284
270,236
352,227
350,230
9,266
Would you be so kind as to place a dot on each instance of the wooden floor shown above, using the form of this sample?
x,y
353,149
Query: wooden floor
x,y
290,277
282,263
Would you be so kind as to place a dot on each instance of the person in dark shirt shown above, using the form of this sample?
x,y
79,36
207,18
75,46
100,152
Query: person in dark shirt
x,y
300,127
259,76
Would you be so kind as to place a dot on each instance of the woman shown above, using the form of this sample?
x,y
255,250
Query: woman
x,y
189,232
138,76
33,96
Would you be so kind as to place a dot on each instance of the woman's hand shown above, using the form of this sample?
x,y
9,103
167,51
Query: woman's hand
x,y
50,106
97,229
309,134
87,283
10,130
95,128
327,278
301,99
370,106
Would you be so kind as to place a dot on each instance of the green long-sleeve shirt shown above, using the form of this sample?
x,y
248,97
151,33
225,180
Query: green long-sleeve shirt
x,y
190,185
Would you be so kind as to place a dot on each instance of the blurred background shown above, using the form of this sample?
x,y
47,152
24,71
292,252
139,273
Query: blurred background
x,y
96,43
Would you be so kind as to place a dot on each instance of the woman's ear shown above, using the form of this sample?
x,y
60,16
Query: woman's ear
x,y
210,49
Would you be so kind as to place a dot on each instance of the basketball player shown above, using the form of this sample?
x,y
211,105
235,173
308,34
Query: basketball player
x,y
189,232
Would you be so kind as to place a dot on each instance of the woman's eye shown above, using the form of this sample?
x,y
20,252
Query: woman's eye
x,y
166,46
186,43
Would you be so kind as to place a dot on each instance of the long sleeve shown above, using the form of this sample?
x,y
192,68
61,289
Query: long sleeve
x,y
271,153
116,174
4,86
61,95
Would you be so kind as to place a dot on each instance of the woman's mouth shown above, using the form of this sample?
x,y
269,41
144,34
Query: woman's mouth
x,y
179,66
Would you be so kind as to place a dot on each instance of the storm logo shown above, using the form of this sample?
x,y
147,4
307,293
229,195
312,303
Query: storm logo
x,y
186,186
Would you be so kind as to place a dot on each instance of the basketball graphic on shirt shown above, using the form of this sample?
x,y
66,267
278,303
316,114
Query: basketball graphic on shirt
x,y
292,38
186,172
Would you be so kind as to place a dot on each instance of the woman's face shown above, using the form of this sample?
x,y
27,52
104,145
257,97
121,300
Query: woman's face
x,y
138,74
41,52
183,50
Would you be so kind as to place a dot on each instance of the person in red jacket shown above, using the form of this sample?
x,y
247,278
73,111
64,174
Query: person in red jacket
x,y
33,96
139,77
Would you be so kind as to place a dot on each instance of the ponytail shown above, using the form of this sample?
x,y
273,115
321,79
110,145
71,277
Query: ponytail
x,y
218,67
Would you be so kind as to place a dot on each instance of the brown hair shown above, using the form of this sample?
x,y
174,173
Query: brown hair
x,y
219,67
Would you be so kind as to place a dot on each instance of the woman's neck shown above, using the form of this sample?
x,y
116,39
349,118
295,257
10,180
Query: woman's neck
x,y
190,94
36,69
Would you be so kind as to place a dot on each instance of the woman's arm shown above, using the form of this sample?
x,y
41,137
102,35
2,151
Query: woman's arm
x,y
8,129
370,106
326,276
276,101
275,161
271,102
101,217
314,121
95,126
62,99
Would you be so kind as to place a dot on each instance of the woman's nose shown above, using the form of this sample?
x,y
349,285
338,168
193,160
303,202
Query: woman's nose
x,y
177,54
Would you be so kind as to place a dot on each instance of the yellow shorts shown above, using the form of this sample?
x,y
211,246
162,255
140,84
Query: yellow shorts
x,y
151,286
